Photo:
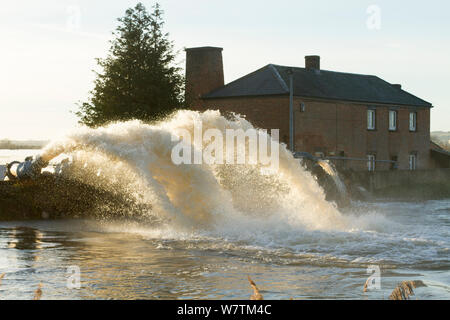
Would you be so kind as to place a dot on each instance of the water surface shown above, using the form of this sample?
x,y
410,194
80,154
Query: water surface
x,y
118,260
209,226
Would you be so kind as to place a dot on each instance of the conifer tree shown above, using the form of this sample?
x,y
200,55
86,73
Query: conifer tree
x,y
139,78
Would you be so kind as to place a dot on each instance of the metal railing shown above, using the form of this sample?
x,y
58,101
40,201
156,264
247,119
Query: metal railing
x,y
311,157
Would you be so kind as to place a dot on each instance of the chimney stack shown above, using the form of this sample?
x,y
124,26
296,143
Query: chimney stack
x,y
204,73
312,62
397,86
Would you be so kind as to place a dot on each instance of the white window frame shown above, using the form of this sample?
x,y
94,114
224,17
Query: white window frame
x,y
371,162
371,119
412,161
413,121
392,120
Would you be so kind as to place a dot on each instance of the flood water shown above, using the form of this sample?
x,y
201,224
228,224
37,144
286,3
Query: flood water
x,y
9,155
129,261
211,226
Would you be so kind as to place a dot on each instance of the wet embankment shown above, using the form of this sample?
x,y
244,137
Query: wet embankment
x,y
55,197
404,184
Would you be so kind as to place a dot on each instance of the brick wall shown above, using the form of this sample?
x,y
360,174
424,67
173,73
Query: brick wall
x,y
341,128
337,128
204,72
271,112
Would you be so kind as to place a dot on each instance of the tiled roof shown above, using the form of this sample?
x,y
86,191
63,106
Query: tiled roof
x,y
274,80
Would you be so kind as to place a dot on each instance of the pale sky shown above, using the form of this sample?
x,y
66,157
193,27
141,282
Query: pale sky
x,y
48,48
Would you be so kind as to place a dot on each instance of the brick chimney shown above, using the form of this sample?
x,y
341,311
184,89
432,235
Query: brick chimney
x,y
312,62
204,73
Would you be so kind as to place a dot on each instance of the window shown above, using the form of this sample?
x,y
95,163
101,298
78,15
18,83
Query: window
x,y
371,119
392,120
412,121
302,107
394,164
371,162
412,161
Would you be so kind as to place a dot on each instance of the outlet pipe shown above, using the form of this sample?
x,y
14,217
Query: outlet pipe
x,y
29,169
32,166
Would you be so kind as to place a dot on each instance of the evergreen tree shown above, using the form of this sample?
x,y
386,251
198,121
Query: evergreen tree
x,y
139,78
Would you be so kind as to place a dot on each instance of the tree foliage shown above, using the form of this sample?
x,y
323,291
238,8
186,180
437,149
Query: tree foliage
x,y
140,79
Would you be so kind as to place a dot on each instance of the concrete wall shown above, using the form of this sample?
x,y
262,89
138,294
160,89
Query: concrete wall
x,y
378,180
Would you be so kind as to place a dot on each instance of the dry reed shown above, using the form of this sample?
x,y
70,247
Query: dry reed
x,y
405,289
38,292
256,295
366,285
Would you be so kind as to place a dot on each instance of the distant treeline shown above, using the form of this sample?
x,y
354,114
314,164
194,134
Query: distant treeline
x,y
14,145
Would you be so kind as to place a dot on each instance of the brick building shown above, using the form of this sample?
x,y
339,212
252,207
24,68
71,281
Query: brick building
x,y
337,115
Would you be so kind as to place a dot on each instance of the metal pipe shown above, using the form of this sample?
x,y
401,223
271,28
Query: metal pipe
x,y
291,110
356,159
28,169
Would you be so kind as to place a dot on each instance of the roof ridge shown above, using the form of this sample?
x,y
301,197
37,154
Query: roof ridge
x,y
236,80
404,91
278,77
332,85
268,66
330,71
